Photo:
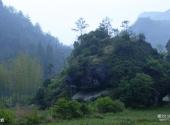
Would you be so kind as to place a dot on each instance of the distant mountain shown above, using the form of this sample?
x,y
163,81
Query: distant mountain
x,y
156,15
155,26
18,35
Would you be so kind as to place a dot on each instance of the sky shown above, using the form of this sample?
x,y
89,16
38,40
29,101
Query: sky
x,y
58,17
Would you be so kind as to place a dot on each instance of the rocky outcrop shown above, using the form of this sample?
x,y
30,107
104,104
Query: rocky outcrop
x,y
89,96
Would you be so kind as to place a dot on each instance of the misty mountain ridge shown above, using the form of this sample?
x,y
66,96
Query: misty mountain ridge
x,y
156,15
155,26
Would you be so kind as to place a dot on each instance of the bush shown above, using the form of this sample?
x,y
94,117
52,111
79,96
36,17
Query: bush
x,y
75,109
8,116
85,109
118,106
66,109
106,104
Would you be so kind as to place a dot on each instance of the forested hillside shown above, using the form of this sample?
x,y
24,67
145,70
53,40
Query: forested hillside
x,y
125,66
28,56
18,35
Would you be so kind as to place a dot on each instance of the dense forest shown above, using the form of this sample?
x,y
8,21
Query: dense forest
x,y
18,35
122,64
28,56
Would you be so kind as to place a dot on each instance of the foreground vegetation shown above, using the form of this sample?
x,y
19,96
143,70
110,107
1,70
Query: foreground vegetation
x,y
30,116
63,109
128,117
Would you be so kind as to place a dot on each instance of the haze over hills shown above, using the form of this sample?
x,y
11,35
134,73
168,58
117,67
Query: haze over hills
x,y
156,15
155,26
18,35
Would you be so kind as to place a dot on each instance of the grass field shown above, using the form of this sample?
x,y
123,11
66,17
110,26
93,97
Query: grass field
x,y
128,117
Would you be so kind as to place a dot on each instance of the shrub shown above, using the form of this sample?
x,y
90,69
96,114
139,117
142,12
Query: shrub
x,y
8,117
66,109
85,109
75,109
118,106
106,104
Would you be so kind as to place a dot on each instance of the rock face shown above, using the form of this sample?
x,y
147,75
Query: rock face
x,y
166,98
89,96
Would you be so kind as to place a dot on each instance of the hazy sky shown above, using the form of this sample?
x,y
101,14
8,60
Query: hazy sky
x,y
58,16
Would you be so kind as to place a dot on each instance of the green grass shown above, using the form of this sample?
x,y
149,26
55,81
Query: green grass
x,y
128,117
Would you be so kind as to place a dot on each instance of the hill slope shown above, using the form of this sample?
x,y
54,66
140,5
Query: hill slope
x,y
18,35
114,66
